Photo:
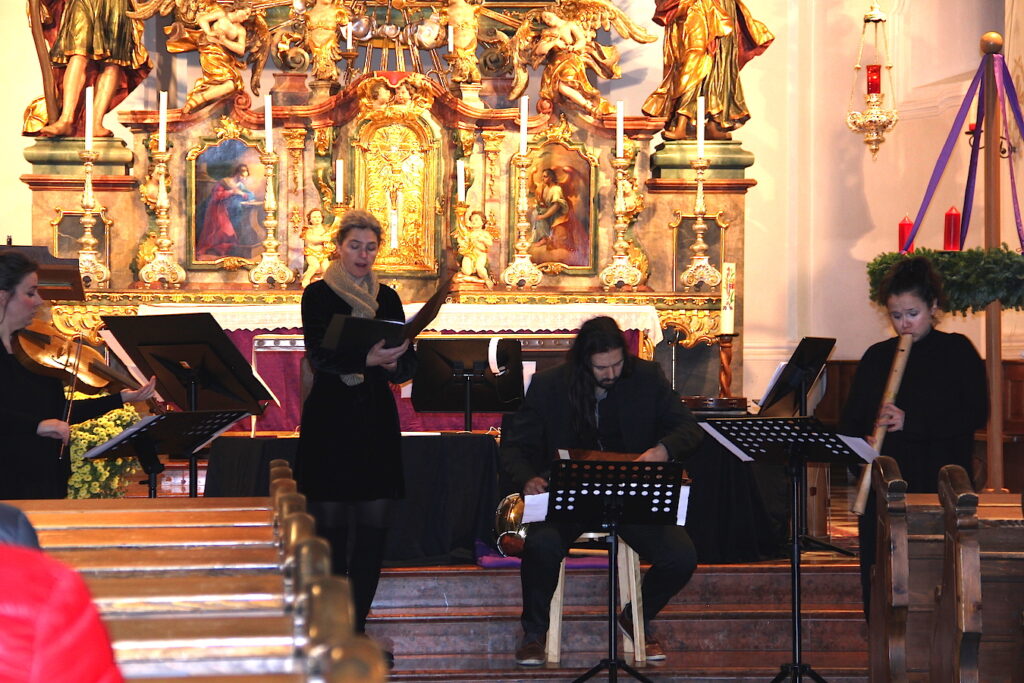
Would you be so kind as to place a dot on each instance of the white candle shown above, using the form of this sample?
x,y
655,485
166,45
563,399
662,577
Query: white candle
x,y
524,107
394,229
348,36
162,131
339,181
460,174
88,119
728,321
620,125
299,6
268,123
700,127
451,40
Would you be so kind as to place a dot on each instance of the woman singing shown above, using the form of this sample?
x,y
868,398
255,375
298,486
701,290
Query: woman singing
x,y
33,459
942,399
349,459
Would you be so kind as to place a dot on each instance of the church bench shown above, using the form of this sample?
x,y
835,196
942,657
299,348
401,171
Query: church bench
x,y
908,571
169,560
978,634
156,537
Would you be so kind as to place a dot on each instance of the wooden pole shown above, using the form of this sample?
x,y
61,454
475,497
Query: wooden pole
x,y
992,43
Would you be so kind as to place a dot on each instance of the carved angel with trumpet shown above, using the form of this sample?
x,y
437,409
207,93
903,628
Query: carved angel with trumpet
x,y
564,39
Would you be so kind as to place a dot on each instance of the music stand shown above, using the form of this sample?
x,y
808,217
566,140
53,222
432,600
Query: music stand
x,y
463,375
167,433
607,494
794,441
195,363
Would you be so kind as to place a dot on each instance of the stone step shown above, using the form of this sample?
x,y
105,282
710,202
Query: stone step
x,y
711,584
719,629
836,666
156,537
171,560
83,519
169,646
154,596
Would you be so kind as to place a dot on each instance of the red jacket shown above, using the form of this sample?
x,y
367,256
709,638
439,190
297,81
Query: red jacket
x,y
49,629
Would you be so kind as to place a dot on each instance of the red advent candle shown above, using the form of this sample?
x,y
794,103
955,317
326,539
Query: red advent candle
x,y
906,226
951,233
874,79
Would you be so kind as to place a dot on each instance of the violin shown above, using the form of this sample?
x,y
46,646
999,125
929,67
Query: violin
x,y
45,350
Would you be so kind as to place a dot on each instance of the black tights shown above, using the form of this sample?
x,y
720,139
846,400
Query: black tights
x,y
357,532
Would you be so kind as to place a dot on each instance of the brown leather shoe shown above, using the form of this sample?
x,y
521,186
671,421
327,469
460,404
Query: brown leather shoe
x,y
531,653
652,647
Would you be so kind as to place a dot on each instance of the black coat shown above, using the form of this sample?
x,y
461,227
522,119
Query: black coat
x,y
648,410
30,465
944,394
350,440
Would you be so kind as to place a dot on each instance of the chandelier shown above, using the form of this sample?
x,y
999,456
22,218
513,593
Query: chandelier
x,y
875,121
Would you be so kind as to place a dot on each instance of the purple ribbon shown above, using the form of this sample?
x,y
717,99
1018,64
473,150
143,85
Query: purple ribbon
x,y
1006,93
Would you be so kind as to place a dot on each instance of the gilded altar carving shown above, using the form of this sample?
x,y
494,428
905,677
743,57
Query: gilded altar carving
x,y
694,326
85,320
295,143
493,140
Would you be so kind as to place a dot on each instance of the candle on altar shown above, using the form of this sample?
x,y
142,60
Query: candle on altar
x,y
394,228
88,119
620,125
339,181
162,130
700,127
268,123
460,174
951,232
874,79
451,40
348,36
727,324
906,226
524,107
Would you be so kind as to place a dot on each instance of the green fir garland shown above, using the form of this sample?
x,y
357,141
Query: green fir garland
x,y
973,278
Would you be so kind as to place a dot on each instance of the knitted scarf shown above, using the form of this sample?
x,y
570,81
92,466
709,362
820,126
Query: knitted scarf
x,y
360,294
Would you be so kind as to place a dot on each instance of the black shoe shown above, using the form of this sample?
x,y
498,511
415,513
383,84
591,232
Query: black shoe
x,y
652,647
531,652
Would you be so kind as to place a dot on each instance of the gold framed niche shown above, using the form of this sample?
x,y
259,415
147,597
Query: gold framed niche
x,y
396,178
67,229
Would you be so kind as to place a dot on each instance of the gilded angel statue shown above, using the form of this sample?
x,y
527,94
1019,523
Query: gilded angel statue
x,y
474,237
227,37
564,39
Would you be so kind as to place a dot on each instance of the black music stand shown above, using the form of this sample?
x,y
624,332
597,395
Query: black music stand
x,y
794,441
607,494
168,433
195,364
456,375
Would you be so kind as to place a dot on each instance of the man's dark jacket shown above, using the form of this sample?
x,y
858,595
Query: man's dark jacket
x,y
649,411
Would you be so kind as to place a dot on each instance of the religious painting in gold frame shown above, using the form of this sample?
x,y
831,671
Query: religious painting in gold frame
x,y
225,191
561,204
67,230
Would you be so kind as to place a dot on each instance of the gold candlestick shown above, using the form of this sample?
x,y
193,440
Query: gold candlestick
x,y
271,270
700,268
91,266
522,272
620,272
164,268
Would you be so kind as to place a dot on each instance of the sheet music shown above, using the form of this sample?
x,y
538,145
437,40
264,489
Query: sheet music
x,y
115,347
860,447
728,445
535,508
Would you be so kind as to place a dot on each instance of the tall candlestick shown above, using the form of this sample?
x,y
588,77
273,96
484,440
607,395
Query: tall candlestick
x,y
162,131
524,107
460,174
951,233
88,119
620,124
700,127
348,36
339,181
268,123
906,226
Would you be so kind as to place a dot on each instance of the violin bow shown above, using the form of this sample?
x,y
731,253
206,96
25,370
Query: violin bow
x,y
70,402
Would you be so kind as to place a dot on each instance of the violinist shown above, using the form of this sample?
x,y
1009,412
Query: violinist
x,y
33,459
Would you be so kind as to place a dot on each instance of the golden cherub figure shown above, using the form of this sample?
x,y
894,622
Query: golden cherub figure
x,y
325,22
318,247
462,19
474,237
564,39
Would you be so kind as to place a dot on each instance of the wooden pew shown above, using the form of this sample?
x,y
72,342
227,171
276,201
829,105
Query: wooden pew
x,y
908,572
983,567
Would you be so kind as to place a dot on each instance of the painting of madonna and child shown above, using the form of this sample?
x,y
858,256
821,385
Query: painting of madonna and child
x,y
561,210
228,188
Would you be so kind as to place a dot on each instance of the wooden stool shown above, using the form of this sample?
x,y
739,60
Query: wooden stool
x,y
629,591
